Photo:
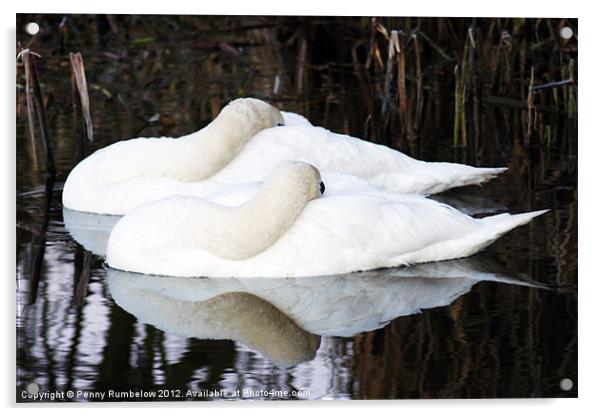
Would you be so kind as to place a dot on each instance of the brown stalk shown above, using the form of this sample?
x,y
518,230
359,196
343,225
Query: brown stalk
x,y
419,97
532,112
36,100
301,62
81,102
401,81
387,92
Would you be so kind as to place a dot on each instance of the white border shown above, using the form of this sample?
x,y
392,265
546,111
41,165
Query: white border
x,y
589,225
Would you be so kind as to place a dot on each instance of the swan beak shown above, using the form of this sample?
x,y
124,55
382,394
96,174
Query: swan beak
x,y
322,188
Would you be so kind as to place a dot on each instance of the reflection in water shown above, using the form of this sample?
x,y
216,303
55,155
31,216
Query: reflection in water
x,y
75,336
263,313
90,230
237,316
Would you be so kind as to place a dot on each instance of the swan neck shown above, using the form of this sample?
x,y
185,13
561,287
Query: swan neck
x,y
219,143
237,316
271,213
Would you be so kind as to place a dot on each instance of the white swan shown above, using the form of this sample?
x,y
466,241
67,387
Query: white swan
x,y
92,230
286,230
229,151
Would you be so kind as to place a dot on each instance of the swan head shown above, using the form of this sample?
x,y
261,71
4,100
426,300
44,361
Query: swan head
x,y
299,178
256,114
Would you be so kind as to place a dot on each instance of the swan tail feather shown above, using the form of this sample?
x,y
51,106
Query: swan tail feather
x,y
493,227
475,176
487,231
435,177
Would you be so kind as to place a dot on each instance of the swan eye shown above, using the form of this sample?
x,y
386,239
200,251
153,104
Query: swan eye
x,y
322,187
279,124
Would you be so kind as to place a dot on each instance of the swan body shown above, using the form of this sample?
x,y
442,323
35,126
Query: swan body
x,y
92,230
243,145
288,230
102,182
379,165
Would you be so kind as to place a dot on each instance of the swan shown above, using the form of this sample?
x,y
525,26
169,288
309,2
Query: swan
x,y
287,230
284,319
246,140
92,230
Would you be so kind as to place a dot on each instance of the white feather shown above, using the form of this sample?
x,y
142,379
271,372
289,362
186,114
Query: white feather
x,y
116,179
361,230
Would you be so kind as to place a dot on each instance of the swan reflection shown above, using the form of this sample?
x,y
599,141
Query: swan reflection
x,y
90,230
283,319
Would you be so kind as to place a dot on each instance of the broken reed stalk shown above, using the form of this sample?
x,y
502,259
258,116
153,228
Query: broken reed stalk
x,y
79,127
470,83
31,117
463,92
301,62
572,99
501,71
372,43
531,112
464,117
401,82
388,90
457,106
81,103
35,104
419,96
374,53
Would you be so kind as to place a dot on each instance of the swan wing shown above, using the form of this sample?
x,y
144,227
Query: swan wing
x,y
381,166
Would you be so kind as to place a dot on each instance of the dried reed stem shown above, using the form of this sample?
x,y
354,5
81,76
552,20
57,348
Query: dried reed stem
x,y
36,100
532,112
419,95
81,103
457,106
401,82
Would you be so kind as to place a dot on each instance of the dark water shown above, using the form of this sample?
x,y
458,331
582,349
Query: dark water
x,y
80,326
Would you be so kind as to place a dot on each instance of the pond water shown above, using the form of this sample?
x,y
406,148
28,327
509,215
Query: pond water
x,y
500,324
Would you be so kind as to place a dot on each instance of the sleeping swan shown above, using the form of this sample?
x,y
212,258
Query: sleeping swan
x,y
116,179
288,230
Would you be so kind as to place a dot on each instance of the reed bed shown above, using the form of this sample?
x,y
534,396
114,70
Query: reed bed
x,y
410,76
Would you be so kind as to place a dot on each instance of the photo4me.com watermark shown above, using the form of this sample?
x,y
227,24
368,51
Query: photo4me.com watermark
x,y
33,393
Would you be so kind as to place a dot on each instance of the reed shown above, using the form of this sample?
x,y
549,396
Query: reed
x,y
395,92
531,111
419,96
387,95
401,82
458,107
35,105
471,45
81,103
